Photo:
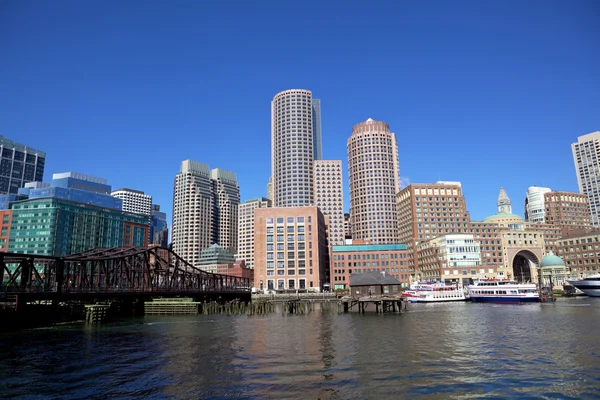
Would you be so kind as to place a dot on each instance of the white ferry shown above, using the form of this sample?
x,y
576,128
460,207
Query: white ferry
x,y
503,291
429,292
589,285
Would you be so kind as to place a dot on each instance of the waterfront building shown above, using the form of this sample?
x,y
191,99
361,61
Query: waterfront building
x,y
581,253
215,257
374,176
134,201
535,209
360,257
586,155
159,229
295,144
567,210
246,228
290,249
374,283
329,197
426,211
205,206
453,258
554,272
19,164
238,269
56,226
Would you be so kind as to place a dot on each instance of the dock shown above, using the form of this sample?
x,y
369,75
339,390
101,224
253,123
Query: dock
x,y
378,304
171,306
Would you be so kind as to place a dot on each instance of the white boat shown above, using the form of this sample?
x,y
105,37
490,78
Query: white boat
x,y
503,291
589,285
429,292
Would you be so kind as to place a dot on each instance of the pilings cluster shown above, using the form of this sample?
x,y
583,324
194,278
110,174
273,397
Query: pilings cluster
x,y
237,307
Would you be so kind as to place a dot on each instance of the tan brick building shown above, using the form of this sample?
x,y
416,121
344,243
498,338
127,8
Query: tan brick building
x,y
581,253
570,211
290,249
358,258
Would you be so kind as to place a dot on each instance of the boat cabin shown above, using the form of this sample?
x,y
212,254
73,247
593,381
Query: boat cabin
x,y
374,283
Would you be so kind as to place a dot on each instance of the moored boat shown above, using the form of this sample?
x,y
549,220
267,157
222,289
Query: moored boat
x,y
429,292
589,285
503,291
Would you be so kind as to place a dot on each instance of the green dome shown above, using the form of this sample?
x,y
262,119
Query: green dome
x,y
502,215
550,260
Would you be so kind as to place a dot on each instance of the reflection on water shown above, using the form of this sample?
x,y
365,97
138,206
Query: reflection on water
x,y
459,350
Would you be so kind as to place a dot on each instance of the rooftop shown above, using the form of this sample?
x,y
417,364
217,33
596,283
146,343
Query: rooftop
x,y
372,279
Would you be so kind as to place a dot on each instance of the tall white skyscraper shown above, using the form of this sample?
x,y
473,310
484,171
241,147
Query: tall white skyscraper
x,y
535,209
134,201
586,155
204,210
329,197
246,228
295,144
374,175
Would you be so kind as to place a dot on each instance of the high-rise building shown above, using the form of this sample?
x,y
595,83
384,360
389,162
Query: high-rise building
x,y
534,204
246,228
426,211
227,201
204,210
159,229
570,211
291,252
347,227
134,201
213,257
317,133
374,175
293,135
586,155
19,164
329,197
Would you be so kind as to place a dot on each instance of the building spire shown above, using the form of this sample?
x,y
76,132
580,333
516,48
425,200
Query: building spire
x,y
504,205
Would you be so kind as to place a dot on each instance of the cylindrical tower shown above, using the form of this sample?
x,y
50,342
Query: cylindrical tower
x,y
374,175
292,151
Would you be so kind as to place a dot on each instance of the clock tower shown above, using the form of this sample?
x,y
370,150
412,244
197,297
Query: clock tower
x,y
504,202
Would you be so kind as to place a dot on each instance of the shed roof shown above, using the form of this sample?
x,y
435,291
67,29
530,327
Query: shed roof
x,y
372,278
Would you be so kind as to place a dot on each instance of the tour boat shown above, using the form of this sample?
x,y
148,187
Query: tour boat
x,y
589,285
429,292
503,291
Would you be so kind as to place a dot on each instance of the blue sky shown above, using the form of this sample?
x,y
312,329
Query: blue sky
x,y
490,93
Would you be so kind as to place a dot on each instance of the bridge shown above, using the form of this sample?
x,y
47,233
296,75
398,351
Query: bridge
x,y
135,272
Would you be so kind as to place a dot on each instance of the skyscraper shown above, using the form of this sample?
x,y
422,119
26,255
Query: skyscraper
x,y
329,197
19,164
204,210
246,228
534,204
374,175
134,201
317,133
586,155
295,126
159,229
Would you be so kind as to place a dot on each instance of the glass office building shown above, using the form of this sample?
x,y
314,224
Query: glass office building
x,y
19,164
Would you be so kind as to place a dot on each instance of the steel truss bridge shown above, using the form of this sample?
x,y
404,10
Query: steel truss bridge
x,y
110,273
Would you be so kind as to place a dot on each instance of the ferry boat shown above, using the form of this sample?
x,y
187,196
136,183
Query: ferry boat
x,y
429,292
503,291
589,285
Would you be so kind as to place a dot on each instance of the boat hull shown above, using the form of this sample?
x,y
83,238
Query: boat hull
x,y
504,299
433,300
589,288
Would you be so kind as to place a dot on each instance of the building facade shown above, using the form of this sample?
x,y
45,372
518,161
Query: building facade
x,y
205,205
19,164
134,201
159,229
374,175
346,260
291,252
535,209
238,269
293,124
581,253
567,210
426,211
59,227
329,197
586,155
215,258
5,222
246,228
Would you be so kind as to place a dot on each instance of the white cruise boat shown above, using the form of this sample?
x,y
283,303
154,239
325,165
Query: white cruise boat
x,y
589,285
429,292
503,291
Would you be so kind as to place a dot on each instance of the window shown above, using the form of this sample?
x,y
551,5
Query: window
x,y
290,246
291,255
280,264
269,238
269,229
290,220
291,284
269,220
301,238
280,283
301,229
270,247
290,228
300,219
291,238
269,264
279,255
280,220
280,238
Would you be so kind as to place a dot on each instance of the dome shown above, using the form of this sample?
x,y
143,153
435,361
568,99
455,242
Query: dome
x,y
503,217
550,260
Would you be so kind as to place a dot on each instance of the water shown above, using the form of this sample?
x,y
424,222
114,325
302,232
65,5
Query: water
x,y
435,351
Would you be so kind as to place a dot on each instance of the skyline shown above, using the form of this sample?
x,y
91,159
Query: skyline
x,y
132,103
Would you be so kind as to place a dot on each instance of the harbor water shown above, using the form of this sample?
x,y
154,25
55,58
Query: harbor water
x,y
433,351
